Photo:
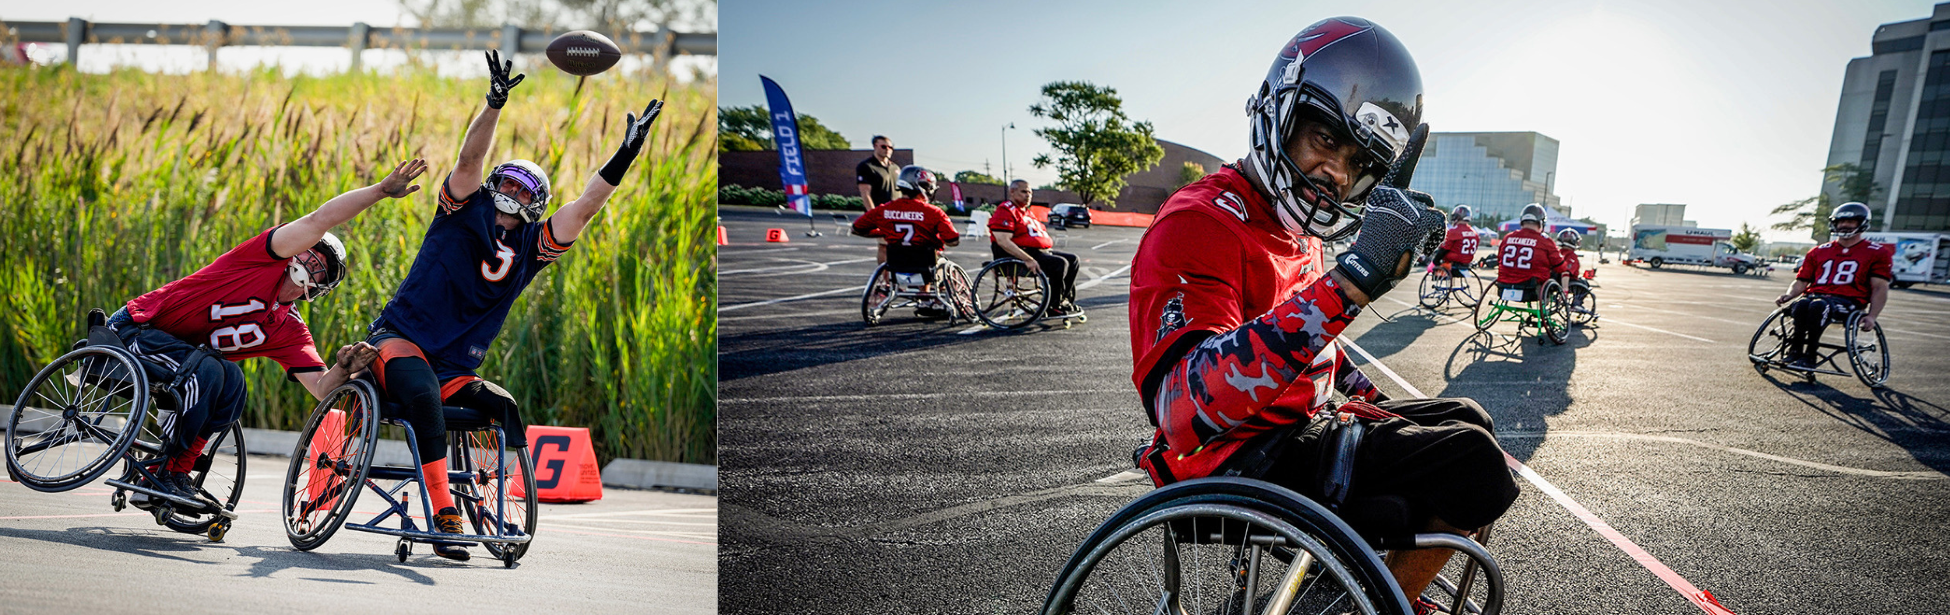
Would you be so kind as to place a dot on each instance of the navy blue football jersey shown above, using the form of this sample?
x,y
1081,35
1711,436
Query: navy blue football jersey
x,y
468,273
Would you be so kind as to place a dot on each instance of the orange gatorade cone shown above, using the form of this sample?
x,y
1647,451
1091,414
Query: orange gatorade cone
x,y
324,486
565,465
776,235
721,237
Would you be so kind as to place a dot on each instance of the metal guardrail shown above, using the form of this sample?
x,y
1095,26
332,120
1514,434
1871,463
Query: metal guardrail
x,y
359,37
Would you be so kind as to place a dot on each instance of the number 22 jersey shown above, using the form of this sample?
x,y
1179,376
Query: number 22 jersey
x,y
469,272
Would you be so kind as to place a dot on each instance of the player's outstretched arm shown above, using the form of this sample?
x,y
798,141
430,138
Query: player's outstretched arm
x,y
352,359
568,222
303,233
472,163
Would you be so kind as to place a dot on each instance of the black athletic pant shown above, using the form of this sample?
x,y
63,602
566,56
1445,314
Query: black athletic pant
x,y
1059,267
213,396
1811,315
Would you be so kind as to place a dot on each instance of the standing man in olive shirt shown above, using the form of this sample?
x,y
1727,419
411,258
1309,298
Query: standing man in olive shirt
x,y
877,174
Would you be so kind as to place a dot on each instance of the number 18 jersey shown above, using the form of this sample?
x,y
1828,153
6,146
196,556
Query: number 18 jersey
x,y
1834,269
232,305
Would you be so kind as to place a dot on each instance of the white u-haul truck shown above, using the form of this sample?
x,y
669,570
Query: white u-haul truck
x,y
1921,258
1659,246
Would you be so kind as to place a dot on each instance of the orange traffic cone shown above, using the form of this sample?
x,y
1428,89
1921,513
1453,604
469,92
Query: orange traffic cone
x,y
721,237
776,235
565,465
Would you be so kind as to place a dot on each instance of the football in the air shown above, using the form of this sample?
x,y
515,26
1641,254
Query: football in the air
x,y
583,52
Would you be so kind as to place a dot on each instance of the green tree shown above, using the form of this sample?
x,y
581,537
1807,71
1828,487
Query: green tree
x,y
975,177
1851,184
1189,173
749,129
1747,240
1096,144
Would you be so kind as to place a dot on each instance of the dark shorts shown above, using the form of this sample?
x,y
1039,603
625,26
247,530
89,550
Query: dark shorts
x,y
1439,460
913,259
1529,288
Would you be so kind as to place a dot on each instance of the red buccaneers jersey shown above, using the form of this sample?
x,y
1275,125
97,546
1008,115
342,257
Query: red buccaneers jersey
x,y
1461,243
1526,255
1834,269
1028,231
232,305
1214,258
1568,260
909,222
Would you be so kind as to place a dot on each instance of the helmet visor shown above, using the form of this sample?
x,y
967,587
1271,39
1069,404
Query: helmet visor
x,y
312,273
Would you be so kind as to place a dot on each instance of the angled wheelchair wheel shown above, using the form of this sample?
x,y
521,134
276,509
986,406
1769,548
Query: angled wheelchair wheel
x,y
1868,352
218,474
76,418
1556,321
1468,288
1584,306
488,498
960,292
878,296
1486,312
1434,288
1008,296
1224,545
328,469
1770,341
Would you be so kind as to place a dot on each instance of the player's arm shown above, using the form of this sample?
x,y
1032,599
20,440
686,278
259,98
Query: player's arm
x,y
864,225
944,228
352,359
1006,239
471,165
303,233
1350,381
568,222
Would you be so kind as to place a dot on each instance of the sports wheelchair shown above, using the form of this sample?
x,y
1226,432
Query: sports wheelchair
x,y
1440,286
1583,304
92,407
1009,296
1868,351
492,485
1238,545
887,290
1541,307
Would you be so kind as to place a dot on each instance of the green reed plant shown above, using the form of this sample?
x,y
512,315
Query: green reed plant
x,y
120,183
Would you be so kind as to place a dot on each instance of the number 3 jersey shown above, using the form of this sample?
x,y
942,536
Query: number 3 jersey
x,y
1834,269
468,273
232,305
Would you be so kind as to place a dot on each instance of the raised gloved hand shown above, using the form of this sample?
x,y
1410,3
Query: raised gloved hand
x,y
498,81
1396,224
635,131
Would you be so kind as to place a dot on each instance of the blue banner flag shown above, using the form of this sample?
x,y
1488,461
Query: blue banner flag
x,y
785,135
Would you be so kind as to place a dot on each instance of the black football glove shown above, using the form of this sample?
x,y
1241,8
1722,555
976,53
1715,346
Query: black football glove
x,y
1396,224
635,131
498,81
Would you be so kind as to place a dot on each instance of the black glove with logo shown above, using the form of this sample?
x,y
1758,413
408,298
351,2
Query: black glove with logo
x,y
635,129
498,81
1396,224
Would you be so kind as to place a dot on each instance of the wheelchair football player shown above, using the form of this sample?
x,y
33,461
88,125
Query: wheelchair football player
x,y
491,483
1841,281
100,404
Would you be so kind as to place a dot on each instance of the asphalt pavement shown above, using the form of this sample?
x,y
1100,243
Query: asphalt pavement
x,y
919,466
631,552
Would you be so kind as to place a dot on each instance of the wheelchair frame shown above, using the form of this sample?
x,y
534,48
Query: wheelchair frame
x,y
109,377
1275,524
1549,307
1014,305
1779,326
506,541
1436,291
885,292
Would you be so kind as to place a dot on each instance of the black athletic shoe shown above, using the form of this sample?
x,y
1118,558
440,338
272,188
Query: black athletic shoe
x,y
447,521
1802,362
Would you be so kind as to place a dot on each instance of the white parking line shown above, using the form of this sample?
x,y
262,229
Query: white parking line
x,y
1615,321
1101,245
740,306
1100,279
815,267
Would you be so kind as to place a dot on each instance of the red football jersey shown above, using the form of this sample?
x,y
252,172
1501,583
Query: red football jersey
x,y
909,222
1568,262
1028,231
232,305
1526,255
1214,258
1461,243
1834,269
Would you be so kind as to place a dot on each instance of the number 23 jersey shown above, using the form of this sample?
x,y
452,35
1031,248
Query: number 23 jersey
x,y
469,272
1834,269
232,305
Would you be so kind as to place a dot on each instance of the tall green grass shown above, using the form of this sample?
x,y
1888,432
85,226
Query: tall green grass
x,y
116,184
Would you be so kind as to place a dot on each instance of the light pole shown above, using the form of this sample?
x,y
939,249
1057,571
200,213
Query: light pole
x,y
1005,153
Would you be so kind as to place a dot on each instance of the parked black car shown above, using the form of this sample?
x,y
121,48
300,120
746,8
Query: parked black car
x,y
1069,214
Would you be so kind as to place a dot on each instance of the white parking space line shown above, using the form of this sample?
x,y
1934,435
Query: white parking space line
x,y
1435,314
764,316
1101,245
1100,279
1615,321
740,306
797,264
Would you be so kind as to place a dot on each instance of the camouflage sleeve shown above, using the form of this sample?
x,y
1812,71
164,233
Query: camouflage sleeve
x,y
1349,380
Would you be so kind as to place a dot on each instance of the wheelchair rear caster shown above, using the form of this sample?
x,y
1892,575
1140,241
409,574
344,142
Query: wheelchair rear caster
x,y
119,500
508,558
404,549
218,530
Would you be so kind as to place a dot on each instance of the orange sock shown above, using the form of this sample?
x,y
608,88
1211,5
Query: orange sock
x,y
186,460
435,473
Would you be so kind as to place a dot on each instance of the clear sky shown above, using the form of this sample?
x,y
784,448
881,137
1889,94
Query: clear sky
x,y
1727,106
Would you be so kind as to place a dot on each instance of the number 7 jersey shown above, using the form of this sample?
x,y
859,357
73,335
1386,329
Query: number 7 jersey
x,y
1834,269
468,273
232,305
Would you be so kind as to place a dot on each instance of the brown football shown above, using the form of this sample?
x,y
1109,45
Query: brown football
x,y
583,52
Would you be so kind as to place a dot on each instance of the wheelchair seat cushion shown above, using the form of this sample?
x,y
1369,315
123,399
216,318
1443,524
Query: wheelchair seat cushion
x,y
910,259
1528,288
458,418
